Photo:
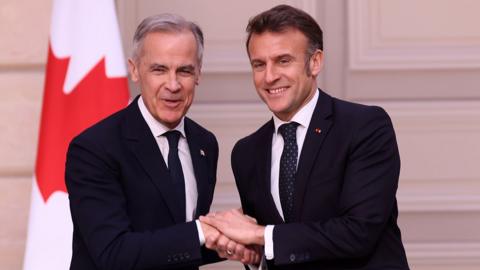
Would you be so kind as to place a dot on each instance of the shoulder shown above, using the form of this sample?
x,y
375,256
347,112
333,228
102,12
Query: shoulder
x,y
200,132
359,117
103,131
249,144
368,126
357,111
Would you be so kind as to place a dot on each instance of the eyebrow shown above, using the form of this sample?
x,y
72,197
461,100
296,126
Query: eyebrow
x,y
156,66
188,67
285,55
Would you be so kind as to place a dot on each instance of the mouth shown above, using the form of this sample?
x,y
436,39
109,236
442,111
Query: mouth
x,y
276,91
172,102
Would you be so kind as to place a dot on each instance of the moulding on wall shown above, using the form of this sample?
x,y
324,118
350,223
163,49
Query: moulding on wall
x,y
421,202
372,46
442,254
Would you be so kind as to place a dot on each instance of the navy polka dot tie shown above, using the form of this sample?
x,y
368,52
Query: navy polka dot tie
x,y
175,168
288,168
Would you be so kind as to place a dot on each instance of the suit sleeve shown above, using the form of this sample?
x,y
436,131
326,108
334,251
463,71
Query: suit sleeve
x,y
99,212
208,255
242,185
365,204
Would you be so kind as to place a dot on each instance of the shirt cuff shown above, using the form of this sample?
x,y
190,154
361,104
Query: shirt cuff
x,y
201,237
268,238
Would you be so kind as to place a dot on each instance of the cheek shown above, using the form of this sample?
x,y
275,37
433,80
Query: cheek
x,y
189,94
257,78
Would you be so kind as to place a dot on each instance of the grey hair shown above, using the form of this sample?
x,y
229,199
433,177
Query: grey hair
x,y
166,22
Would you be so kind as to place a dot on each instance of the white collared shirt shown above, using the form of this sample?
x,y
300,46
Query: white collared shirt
x,y
302,117
191,193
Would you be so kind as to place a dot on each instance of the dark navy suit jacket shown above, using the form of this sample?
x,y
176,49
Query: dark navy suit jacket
x,y
345,210
124,211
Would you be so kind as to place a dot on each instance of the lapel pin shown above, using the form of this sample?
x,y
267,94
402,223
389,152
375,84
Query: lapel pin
x,y
202,153
318,130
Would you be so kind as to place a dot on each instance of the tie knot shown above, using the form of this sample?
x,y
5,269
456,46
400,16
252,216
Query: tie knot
x,y
172,136
288,131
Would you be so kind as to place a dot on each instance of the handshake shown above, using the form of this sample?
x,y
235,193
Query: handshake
x,y
234,236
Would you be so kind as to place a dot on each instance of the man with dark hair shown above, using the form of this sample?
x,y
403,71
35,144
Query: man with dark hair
x,y
139,180
321,176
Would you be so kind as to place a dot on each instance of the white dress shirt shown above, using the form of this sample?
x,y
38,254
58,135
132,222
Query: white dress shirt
x,y
191,193
302,117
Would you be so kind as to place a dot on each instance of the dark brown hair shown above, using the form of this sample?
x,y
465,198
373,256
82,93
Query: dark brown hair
x,y
283,17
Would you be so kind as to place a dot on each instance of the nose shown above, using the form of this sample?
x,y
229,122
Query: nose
x,y
271,74
173,85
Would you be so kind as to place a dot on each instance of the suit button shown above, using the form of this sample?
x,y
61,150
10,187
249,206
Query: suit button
x,y
292,257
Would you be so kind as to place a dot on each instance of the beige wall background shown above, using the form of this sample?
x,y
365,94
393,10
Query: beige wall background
x,y
419,59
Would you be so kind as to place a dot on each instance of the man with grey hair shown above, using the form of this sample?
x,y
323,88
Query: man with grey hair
x,y
139,179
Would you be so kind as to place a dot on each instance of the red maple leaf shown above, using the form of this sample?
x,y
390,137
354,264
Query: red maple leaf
x,y
65,115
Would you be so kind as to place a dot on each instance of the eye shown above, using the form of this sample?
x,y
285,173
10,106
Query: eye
x,y
258,65
159,69
186,71
285,61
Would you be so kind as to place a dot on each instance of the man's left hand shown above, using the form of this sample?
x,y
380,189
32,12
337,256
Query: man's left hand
x,y
236,226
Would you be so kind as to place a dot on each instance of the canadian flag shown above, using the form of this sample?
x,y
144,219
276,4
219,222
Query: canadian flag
x,y
85,82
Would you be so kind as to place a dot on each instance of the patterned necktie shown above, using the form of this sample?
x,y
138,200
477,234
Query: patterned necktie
x,y
288,168
175,168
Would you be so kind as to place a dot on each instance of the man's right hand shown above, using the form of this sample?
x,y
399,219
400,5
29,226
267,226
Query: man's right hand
x,y
229,249
211,235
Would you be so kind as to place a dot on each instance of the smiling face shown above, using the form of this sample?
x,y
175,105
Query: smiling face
x,y
279,63
167,71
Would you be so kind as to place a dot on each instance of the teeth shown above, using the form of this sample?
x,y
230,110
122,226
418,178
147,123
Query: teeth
x,y
277,90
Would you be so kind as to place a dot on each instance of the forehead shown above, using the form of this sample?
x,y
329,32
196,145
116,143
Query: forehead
x,y
289,41
169,45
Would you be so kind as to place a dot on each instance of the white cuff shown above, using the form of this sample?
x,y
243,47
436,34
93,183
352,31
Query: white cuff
x,y
201,237
268,238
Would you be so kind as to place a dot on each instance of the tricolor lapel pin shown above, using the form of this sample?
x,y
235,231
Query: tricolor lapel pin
x,y
318,130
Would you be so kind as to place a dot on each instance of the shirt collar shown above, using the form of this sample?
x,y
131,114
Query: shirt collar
x,y
303,116
155,126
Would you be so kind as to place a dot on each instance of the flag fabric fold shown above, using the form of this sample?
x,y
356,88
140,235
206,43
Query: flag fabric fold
x,y
85,81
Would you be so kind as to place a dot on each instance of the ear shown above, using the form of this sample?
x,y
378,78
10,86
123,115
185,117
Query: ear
x,y
316,62
197,78
133,70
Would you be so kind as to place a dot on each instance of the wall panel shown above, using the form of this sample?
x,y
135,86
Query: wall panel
x,y
22,24
399,34
413,50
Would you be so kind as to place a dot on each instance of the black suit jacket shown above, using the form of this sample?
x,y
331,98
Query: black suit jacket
x,y
345,210
124,212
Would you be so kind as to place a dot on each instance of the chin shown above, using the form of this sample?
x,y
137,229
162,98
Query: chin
x,y
276,107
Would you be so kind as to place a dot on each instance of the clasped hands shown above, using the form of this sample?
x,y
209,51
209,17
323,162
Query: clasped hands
x,y
234,236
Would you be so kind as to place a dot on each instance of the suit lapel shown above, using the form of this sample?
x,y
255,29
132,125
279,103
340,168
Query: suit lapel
x,y
200,167
317,131
265,208
145,148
